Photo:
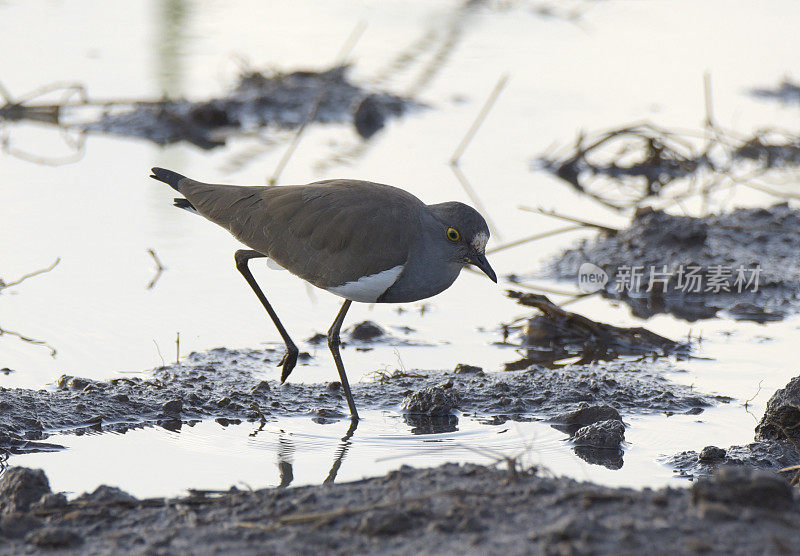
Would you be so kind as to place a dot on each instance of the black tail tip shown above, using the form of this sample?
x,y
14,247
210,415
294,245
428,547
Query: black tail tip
x,y
167,176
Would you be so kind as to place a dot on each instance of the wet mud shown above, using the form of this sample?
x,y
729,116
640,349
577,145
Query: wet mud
x,y
423,511
226,384
776,445
767,455
742,264
597,433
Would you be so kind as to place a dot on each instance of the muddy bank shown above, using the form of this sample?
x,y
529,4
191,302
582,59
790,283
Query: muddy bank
x,y
764,455
742,263
230,385
776,445
453,509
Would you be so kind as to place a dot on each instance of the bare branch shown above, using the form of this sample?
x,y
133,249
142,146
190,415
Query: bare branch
x,y
4,285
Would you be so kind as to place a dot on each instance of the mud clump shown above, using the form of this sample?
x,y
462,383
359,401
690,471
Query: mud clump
x,y
430,409
600,442
586,414
21,487
432,401
741,486
607,435
781,419
743,262
16,526
711,454
53,538
463,368
389,522
366,331
173,407
105,494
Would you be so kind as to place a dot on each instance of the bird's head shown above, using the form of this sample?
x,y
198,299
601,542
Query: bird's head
x,y
465,233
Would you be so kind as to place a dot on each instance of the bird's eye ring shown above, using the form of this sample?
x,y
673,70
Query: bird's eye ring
x,y
453,235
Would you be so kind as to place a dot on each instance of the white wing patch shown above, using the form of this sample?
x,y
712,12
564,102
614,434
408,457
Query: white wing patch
x,y
368,289
479,242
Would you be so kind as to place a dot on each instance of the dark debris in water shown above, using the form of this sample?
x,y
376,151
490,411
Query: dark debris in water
x,y
281,101
557,334
787,92
365,334
625,167
259,100
366,331
743,262
229,384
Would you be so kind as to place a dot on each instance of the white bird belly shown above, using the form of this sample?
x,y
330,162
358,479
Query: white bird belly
x,y
368,289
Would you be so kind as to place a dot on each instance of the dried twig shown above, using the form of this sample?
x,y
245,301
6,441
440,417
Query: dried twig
x,y
584,223
350,43
347,47
473,129
475,200
4,285
159,353
30,340
454,160
296,140
747,401
159,269
534,237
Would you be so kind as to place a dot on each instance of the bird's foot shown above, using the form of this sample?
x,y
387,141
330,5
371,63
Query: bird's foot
x,y
288,362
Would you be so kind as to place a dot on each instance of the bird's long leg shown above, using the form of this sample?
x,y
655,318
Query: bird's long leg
x,y
290,357
333,344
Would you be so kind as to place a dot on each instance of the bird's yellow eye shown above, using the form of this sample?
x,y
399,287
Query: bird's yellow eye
x,y
453,235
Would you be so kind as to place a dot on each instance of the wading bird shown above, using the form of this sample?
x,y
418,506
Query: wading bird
x,y
362,241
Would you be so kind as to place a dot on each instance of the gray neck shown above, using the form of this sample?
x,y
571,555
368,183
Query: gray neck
x,y
429,269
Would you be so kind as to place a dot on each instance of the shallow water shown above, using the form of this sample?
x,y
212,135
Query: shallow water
x,y
619,62
297,451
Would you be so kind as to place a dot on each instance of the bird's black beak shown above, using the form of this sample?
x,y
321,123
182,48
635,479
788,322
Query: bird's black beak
x,y
479,260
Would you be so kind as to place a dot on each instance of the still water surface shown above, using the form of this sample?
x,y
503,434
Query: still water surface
x,y
617,62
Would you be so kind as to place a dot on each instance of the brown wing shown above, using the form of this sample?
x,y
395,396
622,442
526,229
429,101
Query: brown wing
x,y
328,233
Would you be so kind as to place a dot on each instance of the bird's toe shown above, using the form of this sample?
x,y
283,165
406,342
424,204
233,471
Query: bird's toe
x,y
288,363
